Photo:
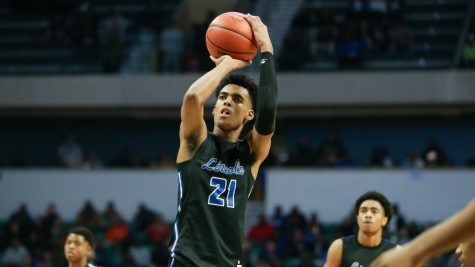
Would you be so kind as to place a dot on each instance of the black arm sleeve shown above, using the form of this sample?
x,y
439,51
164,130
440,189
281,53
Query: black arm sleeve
x,y
266,96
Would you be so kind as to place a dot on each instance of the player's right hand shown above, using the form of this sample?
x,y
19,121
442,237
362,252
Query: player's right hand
x,y
233,64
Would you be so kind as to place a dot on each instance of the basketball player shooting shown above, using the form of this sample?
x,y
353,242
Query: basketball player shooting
x,y
217,170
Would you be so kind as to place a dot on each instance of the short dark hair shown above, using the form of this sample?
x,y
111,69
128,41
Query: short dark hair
x,y
377,196
243,81
86,233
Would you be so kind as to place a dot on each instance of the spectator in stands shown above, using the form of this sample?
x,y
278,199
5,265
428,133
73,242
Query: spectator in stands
x,y
12,230
380,158
51,225
311,238
301,20
16,255
296,46
50,216
56,240
158,232
88,216
401,39
469,51
118,232
413,160
45,259
56,33
70,153
172,47
163,161
20,224
85,29
112,255
113,32
325,36
294,54
92,162
295,219
127,158
278,219
141,253
160,255
303,155
143,218
35,245
351,47
261,232
110,216
380,42
433,155
398,221
331,151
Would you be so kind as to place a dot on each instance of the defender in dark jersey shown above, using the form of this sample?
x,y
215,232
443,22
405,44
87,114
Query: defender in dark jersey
x,y
216,170
373,212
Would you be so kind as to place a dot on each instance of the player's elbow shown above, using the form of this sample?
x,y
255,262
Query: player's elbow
x,y
192,98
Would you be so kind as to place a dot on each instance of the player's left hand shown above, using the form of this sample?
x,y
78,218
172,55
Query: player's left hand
x,y
260,33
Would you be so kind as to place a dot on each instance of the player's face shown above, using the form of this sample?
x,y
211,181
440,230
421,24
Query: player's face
x,y
466,254
371,217
76,248
233,107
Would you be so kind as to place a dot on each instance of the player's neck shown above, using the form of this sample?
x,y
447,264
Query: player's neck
x,y
79,263
230,136
370,239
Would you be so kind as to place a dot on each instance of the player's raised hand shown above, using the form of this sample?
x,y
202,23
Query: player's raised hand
x,y
234,64
260,33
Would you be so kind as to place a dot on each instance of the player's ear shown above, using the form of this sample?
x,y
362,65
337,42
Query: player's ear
x,y
250,115
385,221
90,252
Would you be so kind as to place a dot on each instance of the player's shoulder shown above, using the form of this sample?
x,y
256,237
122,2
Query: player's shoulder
x,y
389,243
337,243
349,239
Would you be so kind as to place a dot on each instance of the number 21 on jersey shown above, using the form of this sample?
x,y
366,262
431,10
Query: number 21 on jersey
x,y
216,197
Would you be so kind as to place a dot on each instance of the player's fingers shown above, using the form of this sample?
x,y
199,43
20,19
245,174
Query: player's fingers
x,y
252,19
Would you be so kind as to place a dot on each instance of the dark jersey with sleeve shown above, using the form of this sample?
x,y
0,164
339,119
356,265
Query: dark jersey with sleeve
x,y
357,255
213,190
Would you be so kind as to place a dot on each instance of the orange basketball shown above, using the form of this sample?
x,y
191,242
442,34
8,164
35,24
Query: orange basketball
x,y
230,34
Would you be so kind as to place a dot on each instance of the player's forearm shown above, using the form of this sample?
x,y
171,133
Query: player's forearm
x,y
266,96
202,89
446,235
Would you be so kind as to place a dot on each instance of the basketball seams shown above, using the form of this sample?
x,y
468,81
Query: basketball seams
x,y
227,50
230,34
232,30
